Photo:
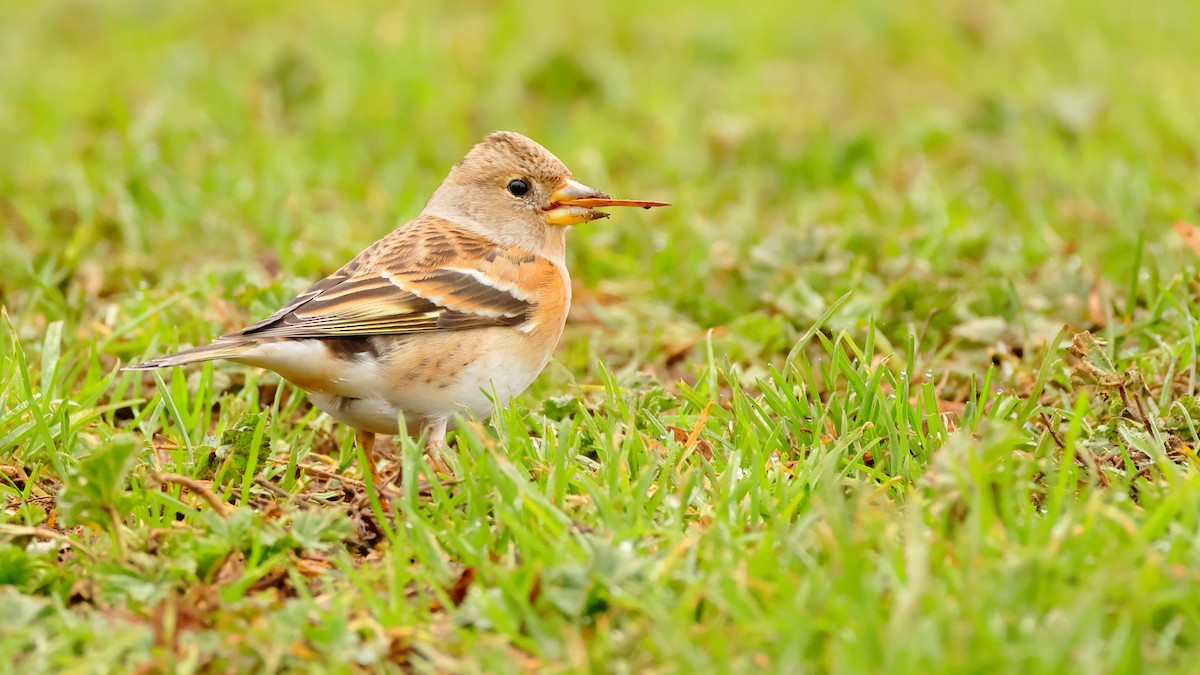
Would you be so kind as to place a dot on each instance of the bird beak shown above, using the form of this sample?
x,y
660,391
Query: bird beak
x,y
576,203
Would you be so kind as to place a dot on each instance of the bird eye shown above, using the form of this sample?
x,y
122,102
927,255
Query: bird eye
x,y
518,187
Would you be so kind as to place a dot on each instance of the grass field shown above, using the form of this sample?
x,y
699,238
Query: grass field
x,y
905,381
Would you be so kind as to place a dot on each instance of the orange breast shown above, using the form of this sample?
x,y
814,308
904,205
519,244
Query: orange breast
x,y
553,303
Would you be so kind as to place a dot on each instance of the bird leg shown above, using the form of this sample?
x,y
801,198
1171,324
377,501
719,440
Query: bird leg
x,y
434,431
366,441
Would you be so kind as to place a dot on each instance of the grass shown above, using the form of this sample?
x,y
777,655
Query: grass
x,y
904,382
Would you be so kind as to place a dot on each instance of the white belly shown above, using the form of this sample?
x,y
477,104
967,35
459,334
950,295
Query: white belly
x,y
461,379
469,394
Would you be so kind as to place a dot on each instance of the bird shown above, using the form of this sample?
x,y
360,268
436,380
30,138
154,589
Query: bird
x,y
453,313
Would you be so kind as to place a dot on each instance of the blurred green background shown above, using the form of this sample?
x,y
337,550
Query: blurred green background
x,y
894,149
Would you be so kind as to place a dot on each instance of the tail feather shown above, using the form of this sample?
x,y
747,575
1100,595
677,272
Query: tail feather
x,y
221,349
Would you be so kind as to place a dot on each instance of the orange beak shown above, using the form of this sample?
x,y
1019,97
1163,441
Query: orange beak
x,y
576,203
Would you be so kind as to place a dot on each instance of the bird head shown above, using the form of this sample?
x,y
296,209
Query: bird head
x,y
509,182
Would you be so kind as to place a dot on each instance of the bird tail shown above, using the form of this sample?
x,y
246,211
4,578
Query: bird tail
x,y
221,349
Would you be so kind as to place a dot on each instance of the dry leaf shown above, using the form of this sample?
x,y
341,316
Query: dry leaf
x,y
458,592
1190,234
1095,307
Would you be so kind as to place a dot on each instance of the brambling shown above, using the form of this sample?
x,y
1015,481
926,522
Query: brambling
x,y
467,299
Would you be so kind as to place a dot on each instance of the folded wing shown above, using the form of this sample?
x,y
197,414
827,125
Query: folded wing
x,y
435,277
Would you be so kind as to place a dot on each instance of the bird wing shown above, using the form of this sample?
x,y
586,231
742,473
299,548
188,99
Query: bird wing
x,y
432,275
